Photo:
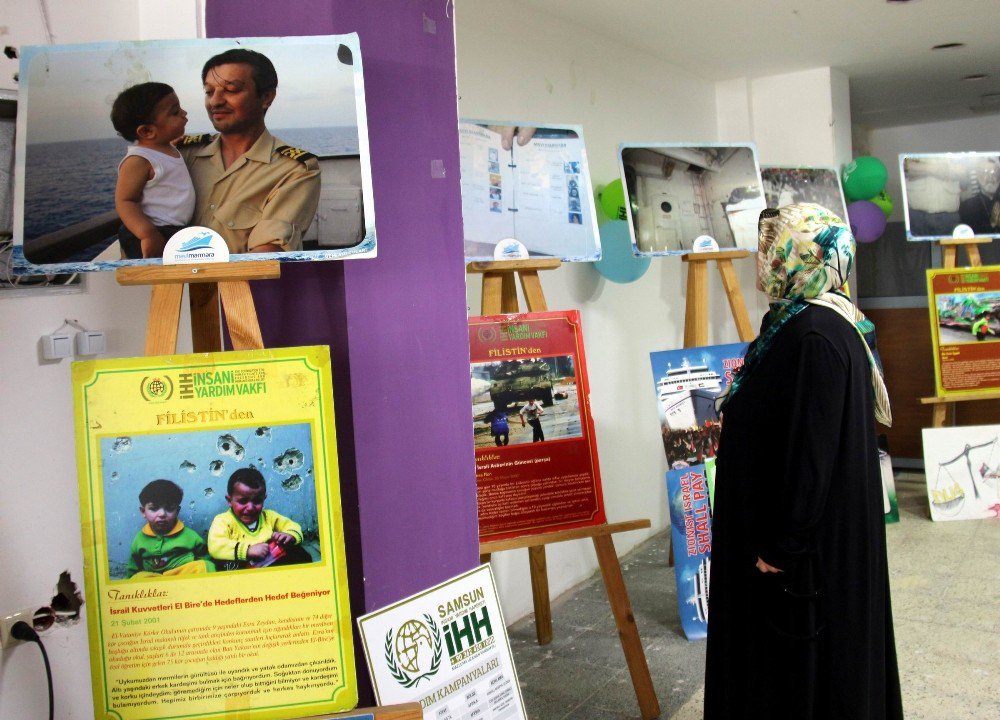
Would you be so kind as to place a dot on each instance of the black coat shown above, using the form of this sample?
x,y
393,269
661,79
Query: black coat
x,y
798,485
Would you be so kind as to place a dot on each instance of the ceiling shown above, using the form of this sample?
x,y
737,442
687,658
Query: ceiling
x,y
883,47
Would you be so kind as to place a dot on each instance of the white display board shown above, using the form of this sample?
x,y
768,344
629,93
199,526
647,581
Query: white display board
x,y
528,183
446,648
962,465
677,192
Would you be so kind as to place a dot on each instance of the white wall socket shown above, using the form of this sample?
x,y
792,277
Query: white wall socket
x,y
8,621
57,346
90,342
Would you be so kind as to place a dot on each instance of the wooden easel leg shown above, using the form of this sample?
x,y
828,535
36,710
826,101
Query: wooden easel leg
x,y
635,657
948,256
206,325
972,250
736,303
696,310
508,295
164,317
492,293
940,415
500,296
241,315
500,293
540,594
532,288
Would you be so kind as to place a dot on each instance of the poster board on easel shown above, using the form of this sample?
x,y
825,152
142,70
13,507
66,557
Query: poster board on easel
x,y
168,586
194,422
963,305
536,454
499,295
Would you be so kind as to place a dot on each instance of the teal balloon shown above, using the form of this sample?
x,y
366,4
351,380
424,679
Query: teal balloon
x,y
612,201
617,262
884,202
864,178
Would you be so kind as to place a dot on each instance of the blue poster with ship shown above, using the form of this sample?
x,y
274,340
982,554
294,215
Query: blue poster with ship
x,y
687,383
689,493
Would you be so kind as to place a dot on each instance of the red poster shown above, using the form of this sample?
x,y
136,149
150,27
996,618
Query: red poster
x,y
536,457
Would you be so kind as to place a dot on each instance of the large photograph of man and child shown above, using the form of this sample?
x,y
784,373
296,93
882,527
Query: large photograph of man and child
x,y
191,503
944,190
120,145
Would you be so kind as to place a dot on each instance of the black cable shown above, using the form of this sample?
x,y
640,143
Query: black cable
x,y
23,631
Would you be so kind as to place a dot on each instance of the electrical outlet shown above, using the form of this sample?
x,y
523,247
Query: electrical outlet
x,y
57,346
90,343
8,622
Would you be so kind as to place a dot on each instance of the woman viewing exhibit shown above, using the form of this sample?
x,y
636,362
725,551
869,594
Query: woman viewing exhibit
x,y
800,624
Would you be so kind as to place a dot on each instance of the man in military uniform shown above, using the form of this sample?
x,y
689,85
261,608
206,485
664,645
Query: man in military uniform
x,y
257,192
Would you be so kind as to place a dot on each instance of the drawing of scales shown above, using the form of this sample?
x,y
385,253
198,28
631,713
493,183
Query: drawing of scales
x,y
982,460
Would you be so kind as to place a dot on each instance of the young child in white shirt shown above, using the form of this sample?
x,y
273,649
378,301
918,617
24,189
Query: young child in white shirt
x,y
154,195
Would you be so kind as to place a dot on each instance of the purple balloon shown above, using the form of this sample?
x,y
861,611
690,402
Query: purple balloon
x,y
867,220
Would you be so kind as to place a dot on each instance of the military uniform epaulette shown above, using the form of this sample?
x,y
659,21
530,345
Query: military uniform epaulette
x,y
294,153
188,140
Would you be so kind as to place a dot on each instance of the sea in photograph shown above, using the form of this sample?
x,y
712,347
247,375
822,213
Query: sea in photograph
x,y
68,182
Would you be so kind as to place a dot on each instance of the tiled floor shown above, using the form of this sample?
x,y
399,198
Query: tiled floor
x,y
946,605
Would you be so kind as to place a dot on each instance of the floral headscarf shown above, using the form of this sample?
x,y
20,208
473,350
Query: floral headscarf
x,y
805,255
804,250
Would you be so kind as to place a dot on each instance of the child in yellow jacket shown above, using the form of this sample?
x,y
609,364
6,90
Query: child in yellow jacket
x,y
247,535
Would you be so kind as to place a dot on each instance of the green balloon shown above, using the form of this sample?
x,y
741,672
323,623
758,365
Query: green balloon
x,y
864,178
613,201
884,202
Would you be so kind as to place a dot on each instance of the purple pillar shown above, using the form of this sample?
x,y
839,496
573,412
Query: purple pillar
x,y
397,324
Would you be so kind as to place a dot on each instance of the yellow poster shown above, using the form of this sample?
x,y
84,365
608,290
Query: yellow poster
x,y
216,582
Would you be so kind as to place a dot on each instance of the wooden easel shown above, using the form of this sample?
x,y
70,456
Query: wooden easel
x,y
944,407
207,285
696,301
500,296
949,250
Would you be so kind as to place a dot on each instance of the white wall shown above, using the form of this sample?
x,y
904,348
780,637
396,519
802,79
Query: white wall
x,y
801,99
795,119
39,513
843,149
732,100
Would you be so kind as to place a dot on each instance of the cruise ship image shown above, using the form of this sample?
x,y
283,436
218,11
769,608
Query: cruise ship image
x,y
687,394
700,597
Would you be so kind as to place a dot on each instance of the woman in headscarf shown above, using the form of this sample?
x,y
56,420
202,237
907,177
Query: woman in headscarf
x,y
800,625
